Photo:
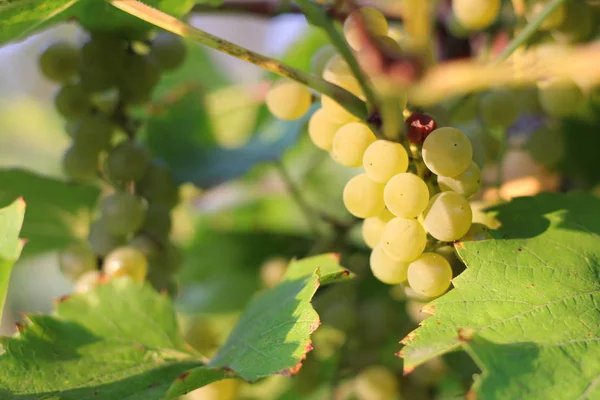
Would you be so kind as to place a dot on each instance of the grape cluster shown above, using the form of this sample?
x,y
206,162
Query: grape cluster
x,y
101,80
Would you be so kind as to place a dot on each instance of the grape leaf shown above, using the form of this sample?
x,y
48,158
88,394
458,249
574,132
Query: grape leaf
x,y
527,307
11,220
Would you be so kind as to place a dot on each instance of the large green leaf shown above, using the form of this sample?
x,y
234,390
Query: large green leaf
x,y
527,307
57,212
11,220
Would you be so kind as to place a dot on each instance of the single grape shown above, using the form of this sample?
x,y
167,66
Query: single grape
x,y
146,245
578,23
386,269
338,72
384,159
126,261
59,62
363,198
476,14
546,146
321,58
72,101
86,282
336,111
449,253
403,239
80,165
102,61
447,152
499,108
169,50
122,213
101,240
560,97
372,227
373,21
430,275
169,258
321,129
288,100
448,216
75,260
376,383
552,21
158,185
127,162
350,143
157,223
477,232
140,74
272,271
419,126
414,309
406,195
465,184
163,282
93,133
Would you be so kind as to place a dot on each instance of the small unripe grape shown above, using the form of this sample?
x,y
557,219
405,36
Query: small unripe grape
x,y
560,97
93,133
403,239
59,61
80,165
163,282
447,152
75,260
499,108
322,129
430,275
363,198
101,240
386,269
288,100
158,185
577,25
169,258
336,111
384,159
146,245
465,184
122,213
126,261
546,146
140,74
373,21
169,50
448,216
127,162
320,59
372,227
406,195
157,223
350,143
476,14
102,61
86,282
376,383
72,101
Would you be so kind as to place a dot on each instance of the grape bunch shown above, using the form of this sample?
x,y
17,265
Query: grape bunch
x,y
100,83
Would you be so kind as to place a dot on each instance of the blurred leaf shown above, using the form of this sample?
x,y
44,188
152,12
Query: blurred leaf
x,y
580,160
300,53
11,220
57,212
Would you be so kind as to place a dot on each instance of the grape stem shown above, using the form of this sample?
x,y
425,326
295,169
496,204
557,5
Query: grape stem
x,y
156,17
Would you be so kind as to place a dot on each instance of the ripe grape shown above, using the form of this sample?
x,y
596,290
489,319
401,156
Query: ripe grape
x,y
122,213
376,383
169,50
288,100
350,143
384,159
372,227
158,185
321,58
363,198
72,101
430,275
403,239
101,240
553,20
338,72
386,269
559,97
448,216
419,127
126,261
373,21
157,223
336,112
86,282
80,165
127,162
93,133
321,129
465,184
476,14
499,108
406,195
140,74
59,61
546,146
75,260
447,152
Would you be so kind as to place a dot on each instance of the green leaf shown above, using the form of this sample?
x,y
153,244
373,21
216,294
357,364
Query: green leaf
x,y
11,220
57,212
328,266
526,309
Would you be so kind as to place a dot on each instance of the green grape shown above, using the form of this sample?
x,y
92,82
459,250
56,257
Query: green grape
x,y
465,184
101,240
449,253
169,258
406,195
72,101
553,20
384,159
336,67
169,50
86,282
321,58
477,232
321,129
476,14
350,143
372,227
163,282
272,271
478,138
385,268
403,239
102,62
59,62
499,108
376,383
75,260
447,152
546,146
336,112
126,261
157,223
127,162
158,185
140,74
414,309
430,275
560,97
146,245
93,133
339,73
363,198
122,213
578,23
448,216
80,165
373,21
288,100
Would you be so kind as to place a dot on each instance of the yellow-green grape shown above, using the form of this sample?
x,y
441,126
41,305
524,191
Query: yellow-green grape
x,y
465,184
272,271
59,61
449,253
126,261
72,101
93,133
372,227
288,100
158,184
122,213
384,159
321,58
447,152
403,239
559,97
385,268
169,50
363,198
146,245
476,14
553,20
373,21
448,216
75,260
157,222
87,282
140,74
376,383
546,146
577,25
336,67
101,240
336,111
350,143
499,108
406,195
477,232
322,129
430,275
80,165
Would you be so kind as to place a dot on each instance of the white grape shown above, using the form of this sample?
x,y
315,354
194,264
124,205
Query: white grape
x,y
406,195
322,129
386,269
476,14
363,198
430,275
447,152
448,216
350,143
373,21
336,111
288,100
372,227
383,159
376,383
559,97
465,184
403,239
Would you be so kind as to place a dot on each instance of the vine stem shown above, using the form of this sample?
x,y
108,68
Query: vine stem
x,y
156,17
